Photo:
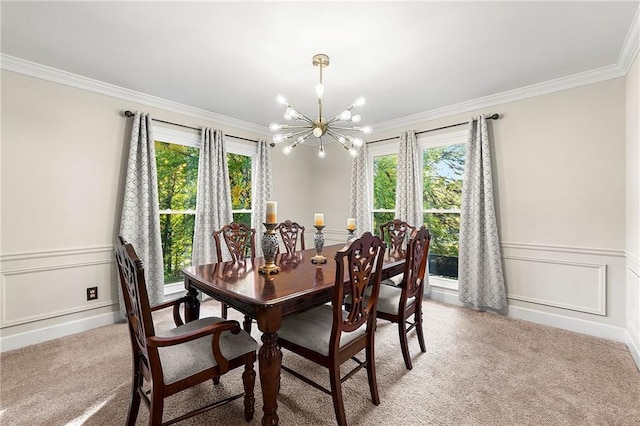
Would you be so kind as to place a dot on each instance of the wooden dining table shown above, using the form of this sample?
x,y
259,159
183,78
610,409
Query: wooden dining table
x,y
298,286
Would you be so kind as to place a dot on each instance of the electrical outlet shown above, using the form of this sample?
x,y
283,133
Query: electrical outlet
x,y
92,293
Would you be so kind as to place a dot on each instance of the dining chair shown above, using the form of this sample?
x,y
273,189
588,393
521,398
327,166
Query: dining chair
x,y
181,357
396,232
329,335
291,232
240,240
398,304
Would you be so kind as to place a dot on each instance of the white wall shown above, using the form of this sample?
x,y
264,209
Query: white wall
x,y
63,162
633,207
559,180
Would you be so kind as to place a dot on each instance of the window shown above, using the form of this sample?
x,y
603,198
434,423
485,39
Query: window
x,y
177,155
442,164
383,170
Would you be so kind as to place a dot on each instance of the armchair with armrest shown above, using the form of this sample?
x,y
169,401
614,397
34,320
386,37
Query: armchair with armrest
x,y
182,357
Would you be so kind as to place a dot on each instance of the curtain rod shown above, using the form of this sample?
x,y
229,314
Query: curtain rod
x,y
130,114
494,116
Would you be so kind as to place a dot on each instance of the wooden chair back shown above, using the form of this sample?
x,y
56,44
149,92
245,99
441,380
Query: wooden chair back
x,y
136,298
360,263
240,240
395,232
291,232
416,264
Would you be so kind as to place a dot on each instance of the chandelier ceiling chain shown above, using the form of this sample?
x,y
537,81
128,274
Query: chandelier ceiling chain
x,y
320,126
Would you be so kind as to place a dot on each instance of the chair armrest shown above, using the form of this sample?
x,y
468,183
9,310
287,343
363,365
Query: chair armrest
x,y
215,330
176,309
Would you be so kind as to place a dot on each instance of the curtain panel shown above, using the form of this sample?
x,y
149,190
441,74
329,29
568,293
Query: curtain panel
x,y
481,279
213,201
262,191
140,220
409,181
359,201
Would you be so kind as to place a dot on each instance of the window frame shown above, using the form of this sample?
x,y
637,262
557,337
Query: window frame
x,y
439,141
379,150
192,139
424,142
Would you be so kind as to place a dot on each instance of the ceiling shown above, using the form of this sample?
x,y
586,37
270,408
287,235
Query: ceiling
x,y
232,59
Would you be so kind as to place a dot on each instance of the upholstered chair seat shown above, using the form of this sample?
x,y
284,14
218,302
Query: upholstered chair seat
x,y
181,361
312,329
389,298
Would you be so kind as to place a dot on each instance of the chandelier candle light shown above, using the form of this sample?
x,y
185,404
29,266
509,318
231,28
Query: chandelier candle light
x,y
269,241
333,127
318,239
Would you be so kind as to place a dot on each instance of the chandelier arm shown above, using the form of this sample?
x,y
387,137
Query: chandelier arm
x,y
307,119
290,127
346,128
337,138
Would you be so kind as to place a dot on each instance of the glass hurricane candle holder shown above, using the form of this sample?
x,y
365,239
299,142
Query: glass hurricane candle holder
x,y
269,245
318,243
351,234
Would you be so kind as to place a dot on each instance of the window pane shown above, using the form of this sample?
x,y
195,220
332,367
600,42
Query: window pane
x,y
443,248
380,218
443,169
177,176
240,177
176,231
384,181
245,218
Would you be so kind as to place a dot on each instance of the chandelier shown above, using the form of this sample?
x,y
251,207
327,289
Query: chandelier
x,y
335,127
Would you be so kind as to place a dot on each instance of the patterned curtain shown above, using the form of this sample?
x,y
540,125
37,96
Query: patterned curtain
x,y
409,181
140,221
262,191
481,281
359,204
213,202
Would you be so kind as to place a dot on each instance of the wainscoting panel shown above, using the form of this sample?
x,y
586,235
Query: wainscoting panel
x,y
563,284
36,286
633,307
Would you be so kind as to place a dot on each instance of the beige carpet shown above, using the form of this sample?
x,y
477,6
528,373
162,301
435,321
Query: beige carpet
x,y
479,369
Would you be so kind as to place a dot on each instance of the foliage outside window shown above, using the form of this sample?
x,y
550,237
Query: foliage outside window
x,y
177,166
177,182
384,189
442,171
240,179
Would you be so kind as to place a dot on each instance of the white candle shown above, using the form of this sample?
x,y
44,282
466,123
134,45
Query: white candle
x,y
351,223
272,208
318,219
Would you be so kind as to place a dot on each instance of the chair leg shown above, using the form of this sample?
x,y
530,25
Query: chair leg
x,y
216,380
223,310
134,404
336,393
249,381
157,406
371,372
247,324
418,322
404,346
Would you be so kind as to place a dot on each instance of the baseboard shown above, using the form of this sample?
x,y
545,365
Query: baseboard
x,y
633,348
590,328
27,338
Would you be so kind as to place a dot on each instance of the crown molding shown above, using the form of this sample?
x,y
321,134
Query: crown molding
x,y
631,45
556,85
22,66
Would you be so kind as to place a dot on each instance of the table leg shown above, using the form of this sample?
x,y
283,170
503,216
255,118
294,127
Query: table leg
x,y
192,306
270,359
269,362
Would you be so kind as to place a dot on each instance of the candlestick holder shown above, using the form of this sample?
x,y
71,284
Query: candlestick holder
x,y
350,234
269,245
318,243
